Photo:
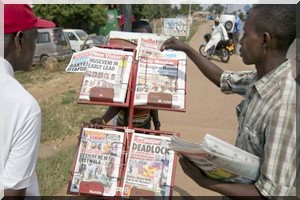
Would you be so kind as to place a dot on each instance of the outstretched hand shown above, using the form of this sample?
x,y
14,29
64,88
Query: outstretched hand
x,y
173,43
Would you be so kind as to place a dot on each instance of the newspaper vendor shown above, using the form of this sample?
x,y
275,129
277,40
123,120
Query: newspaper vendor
x,y
267,116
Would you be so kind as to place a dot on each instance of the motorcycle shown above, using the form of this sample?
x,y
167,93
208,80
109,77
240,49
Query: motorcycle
x,y
223,49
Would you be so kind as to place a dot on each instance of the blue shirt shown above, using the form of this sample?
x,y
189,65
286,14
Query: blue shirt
x,y
238,26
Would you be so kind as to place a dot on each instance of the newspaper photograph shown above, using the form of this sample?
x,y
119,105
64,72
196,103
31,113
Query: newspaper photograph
x,y
161,77
107,68
218,159
98,160
149,165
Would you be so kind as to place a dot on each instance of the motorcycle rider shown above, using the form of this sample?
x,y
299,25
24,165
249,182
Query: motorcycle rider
x,y
219,33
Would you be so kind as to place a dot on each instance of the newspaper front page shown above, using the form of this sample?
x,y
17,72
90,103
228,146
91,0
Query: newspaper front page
x,y
107,68
161,77
149,45
98,160
149,165
79,61
219,160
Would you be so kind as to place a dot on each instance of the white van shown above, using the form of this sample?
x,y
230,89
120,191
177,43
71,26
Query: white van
x,y
51,42
76,38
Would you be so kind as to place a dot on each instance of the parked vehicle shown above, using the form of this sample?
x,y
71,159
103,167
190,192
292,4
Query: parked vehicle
x,y
77,38
98,40
223,50
228,22
51,42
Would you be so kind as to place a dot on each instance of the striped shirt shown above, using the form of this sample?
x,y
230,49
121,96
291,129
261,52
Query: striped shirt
x,y
267,125
140,117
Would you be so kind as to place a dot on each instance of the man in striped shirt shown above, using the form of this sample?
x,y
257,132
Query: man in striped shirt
x,y
267,115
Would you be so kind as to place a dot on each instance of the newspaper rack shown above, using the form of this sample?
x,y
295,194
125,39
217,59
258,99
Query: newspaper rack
x,y
128,131
104,96
84,187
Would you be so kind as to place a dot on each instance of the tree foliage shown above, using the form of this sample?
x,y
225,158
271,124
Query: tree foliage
x,y
82,16
152,11
184,8
216,9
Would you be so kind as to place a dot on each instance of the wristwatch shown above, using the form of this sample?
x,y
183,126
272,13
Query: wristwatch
x,y
156,124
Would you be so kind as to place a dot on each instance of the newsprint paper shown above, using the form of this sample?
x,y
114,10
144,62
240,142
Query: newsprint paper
x,y
98,160
107,68
149,165
79,61
218,159
161,77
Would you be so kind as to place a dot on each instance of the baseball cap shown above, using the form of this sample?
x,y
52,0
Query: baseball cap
x,y
19,17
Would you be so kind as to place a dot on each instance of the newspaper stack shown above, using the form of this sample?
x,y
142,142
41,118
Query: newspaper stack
x,y
218,159
161,75
97,161
149,167
103,68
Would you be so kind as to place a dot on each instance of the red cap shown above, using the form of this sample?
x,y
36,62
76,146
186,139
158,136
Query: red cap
x,y
19,17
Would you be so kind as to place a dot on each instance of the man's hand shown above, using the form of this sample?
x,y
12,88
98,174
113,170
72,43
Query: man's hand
x,y
157,125
97,122
194,172
173,43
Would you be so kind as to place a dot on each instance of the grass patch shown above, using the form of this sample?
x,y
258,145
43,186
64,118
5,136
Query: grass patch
x,y
193,29
61,115
54,172
38,73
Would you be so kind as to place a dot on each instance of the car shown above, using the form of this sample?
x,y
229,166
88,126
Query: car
x,y
51,42
228,22
98,40
77,38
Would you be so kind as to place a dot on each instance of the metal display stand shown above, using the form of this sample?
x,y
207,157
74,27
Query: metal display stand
x,y
121,44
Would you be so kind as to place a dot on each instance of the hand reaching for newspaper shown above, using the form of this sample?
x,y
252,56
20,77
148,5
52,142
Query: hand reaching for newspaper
x,y
195,173
97,122
174,43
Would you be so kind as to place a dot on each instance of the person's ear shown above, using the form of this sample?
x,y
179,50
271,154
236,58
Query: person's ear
x,y
267,40
19,41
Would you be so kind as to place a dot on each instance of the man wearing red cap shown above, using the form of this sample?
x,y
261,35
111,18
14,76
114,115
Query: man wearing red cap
x,y
20,113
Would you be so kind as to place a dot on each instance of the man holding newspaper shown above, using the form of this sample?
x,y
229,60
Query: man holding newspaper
x,y
267,115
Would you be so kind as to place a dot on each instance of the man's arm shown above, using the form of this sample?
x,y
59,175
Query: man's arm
x,y
209,69
156,122
109,114
233,190
19,193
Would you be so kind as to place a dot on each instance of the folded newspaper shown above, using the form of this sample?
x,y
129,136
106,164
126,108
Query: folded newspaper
x,y
218,159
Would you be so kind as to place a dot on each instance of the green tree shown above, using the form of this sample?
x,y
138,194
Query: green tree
x,y
152,11
184,8
216,9
82,16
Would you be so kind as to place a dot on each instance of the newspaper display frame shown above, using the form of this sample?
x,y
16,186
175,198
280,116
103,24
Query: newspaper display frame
x,y
120,99
219,159
97,173
152,172
164,78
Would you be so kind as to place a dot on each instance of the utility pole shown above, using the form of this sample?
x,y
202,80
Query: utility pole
x,y
127,12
